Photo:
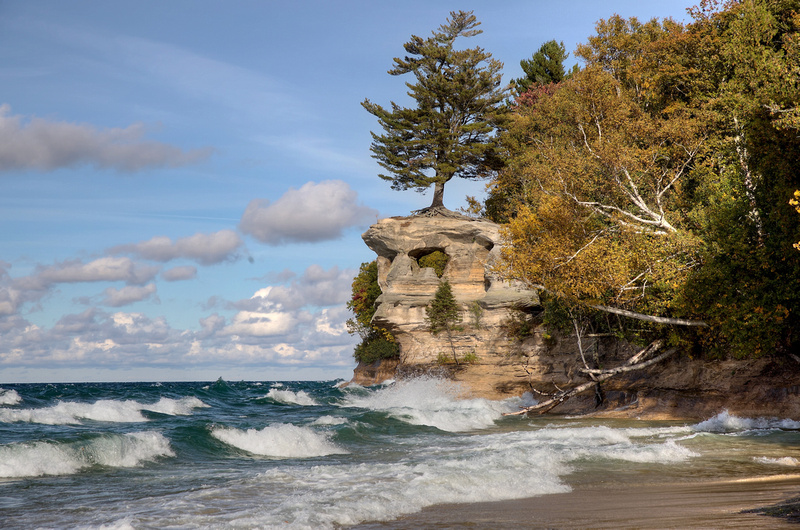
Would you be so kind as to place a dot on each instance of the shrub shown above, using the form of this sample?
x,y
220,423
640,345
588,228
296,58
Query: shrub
x,y
376,343
437,260
375,348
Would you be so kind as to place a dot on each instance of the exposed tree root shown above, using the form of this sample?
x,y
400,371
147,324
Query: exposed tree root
x,y
441,211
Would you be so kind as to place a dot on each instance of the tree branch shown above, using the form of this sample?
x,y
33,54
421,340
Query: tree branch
x,y
650,318
599,376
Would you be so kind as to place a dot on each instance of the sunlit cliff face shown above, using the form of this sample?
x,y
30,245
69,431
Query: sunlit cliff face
x,y
471,247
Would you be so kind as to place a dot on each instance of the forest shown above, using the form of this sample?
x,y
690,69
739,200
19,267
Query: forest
x,y
657,178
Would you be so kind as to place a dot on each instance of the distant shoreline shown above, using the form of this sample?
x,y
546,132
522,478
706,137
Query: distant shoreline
x,y
700,504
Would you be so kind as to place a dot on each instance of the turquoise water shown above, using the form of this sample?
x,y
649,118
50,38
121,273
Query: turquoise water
x,y
314,455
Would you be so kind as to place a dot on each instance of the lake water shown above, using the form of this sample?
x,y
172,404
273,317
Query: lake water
x,y
314,455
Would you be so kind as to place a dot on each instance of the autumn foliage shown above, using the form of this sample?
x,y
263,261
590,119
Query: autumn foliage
x,y
658,177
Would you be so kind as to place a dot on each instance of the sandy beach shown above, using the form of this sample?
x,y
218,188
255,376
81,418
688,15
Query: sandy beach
x,y
655,506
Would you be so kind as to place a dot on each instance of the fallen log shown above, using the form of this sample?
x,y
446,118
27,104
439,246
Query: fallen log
x,y
636,362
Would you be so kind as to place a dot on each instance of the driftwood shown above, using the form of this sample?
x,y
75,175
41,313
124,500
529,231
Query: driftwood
x,y
637,362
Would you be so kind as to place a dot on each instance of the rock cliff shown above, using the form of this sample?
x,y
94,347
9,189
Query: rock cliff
x,y
472,247
679,388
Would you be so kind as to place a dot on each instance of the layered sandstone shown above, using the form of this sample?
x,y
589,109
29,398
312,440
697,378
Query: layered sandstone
x,y
473,248
680,387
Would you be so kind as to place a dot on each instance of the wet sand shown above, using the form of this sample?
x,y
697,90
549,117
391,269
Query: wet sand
x,y
652,506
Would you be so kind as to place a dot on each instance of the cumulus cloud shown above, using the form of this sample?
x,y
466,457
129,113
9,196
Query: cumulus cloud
x,y
177,274
206,249
106,269
16,292
269,335
315,212
316,287
301,324
46,145
129,294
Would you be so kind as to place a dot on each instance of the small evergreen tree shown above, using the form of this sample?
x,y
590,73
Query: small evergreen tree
x,y
444,313
544,67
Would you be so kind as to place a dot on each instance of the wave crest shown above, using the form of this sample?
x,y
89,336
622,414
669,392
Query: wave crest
x,y
50,458
724,422
432,402
279,440
104,410
300,397
9,397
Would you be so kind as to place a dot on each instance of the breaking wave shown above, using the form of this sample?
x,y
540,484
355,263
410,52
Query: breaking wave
x,y
9,397
291,398
33,459
279,440
724,422
104,410
431,402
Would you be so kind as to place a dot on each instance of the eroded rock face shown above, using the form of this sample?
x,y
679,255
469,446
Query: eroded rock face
x,y
679,388
473,246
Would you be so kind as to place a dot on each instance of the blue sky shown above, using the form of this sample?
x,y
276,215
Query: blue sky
x,y
183,184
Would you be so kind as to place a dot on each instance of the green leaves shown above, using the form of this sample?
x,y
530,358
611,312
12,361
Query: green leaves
x,y
443,312
658,177
544,67
450,132
376,343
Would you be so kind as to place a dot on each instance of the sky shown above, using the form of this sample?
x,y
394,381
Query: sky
x,y
184,184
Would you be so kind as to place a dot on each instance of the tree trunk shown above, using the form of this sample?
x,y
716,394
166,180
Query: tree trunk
x,y
452,346
438,195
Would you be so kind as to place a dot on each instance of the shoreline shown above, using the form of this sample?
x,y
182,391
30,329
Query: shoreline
x,y
696,504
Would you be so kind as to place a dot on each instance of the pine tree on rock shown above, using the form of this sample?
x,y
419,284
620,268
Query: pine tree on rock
x,y
451,132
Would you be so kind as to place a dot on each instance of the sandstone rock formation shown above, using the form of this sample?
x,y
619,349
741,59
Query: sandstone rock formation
x,y
679,388
473,247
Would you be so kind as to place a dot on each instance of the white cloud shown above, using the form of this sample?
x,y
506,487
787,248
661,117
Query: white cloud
x,y
47,145
107,269
206,249
308,331
316,287
128,295
176,274
315,212
15,292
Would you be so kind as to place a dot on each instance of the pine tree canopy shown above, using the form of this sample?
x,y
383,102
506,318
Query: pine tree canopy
x,y
544,67
451,131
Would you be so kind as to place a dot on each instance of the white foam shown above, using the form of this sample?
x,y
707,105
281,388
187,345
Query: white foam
x,y
9,397
724,422
599,443
467,469
176,407
49,458
300,397
432,402
126,523
329,420
105,410
279,440
783,461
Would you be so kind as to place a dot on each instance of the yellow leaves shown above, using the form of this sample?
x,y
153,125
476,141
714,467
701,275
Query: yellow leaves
x,y
796,201
583,258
